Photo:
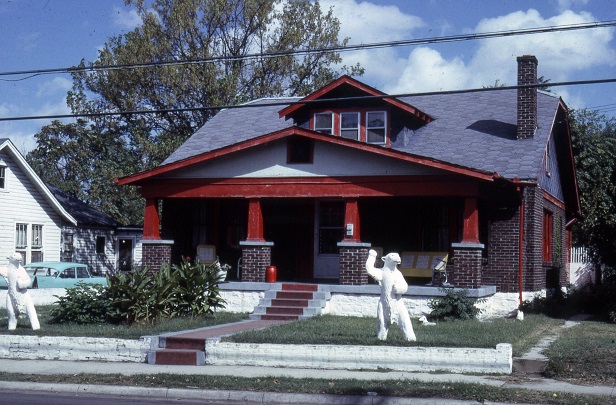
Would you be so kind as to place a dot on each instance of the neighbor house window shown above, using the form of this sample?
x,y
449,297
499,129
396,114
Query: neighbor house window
x,y
37,243
548,231
100,244
21,240
2,176
375,127
349,125
324,122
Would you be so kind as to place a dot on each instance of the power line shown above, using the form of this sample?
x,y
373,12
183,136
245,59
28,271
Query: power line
x,y
341,48
287,103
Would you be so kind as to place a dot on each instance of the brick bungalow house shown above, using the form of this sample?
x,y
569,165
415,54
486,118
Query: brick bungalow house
x,y
310,185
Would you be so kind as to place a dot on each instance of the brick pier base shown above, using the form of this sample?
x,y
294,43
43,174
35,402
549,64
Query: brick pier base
x,y
353,258
155,253
256,256
467,265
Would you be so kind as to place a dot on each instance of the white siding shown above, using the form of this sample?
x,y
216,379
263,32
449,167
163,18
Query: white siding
x,y
22,202
84,249
329,160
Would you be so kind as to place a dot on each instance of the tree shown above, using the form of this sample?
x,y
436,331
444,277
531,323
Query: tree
x,y
594,150
225,33
83,162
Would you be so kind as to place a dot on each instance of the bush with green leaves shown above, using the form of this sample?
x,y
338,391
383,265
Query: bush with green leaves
x,y
453,306
82,304
186,289
144,296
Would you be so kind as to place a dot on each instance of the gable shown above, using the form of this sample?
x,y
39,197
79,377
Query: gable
x,y
329,160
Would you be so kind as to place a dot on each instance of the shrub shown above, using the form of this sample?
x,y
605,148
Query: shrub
x,y
82,304
186,289
454,305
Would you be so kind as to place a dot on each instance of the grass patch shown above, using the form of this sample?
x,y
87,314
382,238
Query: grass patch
x,y
584,354
346,330
134,331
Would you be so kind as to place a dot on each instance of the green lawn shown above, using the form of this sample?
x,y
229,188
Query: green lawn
x,y
115,331
347,330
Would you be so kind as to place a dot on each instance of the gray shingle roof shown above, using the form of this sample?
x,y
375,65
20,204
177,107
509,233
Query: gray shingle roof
x,y
472,130
82,212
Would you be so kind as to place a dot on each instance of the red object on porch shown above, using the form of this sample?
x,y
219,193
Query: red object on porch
x,y
270,274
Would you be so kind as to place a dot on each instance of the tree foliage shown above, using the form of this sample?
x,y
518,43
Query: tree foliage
x,y
594,149
222,37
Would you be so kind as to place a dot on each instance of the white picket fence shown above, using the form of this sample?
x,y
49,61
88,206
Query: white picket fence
x,y
581,271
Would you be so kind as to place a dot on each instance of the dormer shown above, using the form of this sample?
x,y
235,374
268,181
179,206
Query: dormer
x,y
353,110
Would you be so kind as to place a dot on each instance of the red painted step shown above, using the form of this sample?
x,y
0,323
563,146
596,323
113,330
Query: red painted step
x,y
294,295
177,357
284,311
279,317
277,302
299,287
184,343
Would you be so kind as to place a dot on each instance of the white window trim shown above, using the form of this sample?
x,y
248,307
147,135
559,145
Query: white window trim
x,y
384,127
6,176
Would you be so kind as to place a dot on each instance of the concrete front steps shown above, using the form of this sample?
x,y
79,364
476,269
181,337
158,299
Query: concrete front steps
x,y
291,301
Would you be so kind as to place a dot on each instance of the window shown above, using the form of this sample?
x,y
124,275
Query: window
x,y
349,125
37,243
363,125
299,150
375,127
324,122
100,244
2,176
331,226
21,240
547,236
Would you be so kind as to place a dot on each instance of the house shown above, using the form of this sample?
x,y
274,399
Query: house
x,y
32,218
44,223
310,185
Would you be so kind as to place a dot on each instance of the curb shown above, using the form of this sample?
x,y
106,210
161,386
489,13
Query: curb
x,y
224,395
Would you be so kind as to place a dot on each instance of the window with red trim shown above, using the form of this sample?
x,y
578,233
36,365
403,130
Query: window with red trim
x,y
548,232
363,125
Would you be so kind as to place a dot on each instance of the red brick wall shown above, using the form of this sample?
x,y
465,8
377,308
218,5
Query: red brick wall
x,y
255,259
155,255
353,265
466,267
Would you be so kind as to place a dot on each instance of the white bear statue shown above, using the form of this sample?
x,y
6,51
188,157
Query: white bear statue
x,y
18,301
391,308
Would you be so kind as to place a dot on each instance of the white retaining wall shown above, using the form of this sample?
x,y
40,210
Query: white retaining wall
x,y
413,359
75,348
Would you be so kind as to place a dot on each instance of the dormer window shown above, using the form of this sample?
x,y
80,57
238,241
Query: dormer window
x,y
375,127
349,125
324,122
364,125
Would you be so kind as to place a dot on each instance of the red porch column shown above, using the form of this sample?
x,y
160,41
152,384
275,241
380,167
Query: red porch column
x,y
151,220
351,221
256,252
470,232
255,221
467,265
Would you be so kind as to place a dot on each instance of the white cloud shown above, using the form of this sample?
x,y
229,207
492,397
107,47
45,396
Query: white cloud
x,y
54,86
125,19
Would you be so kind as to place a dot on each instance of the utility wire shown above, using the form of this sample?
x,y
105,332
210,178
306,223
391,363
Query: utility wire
x,y
287,103
341,48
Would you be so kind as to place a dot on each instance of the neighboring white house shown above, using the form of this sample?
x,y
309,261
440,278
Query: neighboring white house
x,y
31,218
44,223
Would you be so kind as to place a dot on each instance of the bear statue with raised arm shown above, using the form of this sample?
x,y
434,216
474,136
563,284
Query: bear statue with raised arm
x,y
391,308
18,301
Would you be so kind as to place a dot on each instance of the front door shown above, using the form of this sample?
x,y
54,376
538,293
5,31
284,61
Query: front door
x,y
125,254
329,228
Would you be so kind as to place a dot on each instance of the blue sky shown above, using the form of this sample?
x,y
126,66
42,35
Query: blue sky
x,y
40,34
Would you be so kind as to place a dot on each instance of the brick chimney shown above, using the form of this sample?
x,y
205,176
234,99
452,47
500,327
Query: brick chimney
x,y
527,97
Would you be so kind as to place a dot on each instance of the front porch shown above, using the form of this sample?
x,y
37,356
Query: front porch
x,y
316,239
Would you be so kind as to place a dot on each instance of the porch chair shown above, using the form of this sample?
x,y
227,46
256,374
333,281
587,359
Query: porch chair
x,y
440,270
206,254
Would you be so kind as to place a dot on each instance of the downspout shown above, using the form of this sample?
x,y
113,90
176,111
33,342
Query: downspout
x,y
520,190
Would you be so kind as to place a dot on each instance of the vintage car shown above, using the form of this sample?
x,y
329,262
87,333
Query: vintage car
x,y
30,272
61,274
